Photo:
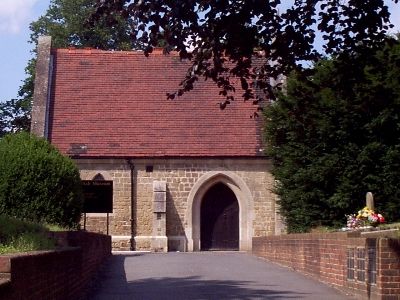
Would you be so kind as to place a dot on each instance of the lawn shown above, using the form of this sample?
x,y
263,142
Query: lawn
x,y
21,236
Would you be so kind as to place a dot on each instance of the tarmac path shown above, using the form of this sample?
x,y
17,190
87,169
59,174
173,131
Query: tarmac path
x,y
203,276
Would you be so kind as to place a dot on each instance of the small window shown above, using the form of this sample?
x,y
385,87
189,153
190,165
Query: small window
x,y
372,263
350,264
149,169
98,177
361,264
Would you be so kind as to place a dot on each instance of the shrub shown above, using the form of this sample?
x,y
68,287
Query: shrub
x,y
37,183
334,135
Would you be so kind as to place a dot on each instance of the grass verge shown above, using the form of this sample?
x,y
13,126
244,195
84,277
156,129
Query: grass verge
x,y
21,236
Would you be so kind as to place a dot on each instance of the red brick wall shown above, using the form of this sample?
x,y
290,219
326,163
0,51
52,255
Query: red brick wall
x,y
389,268
60,274
325,257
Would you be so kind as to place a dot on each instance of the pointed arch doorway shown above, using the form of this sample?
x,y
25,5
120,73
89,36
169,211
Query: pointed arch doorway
x,y
219,219
193,213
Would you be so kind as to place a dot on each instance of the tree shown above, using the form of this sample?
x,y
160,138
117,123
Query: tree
x,y
335,135
37,183
64,21
15,113
13,116
224,34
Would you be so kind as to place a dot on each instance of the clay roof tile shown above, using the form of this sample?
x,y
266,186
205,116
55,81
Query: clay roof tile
x,y
114,104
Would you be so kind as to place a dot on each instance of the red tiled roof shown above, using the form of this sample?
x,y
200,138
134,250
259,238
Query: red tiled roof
x,y
114,104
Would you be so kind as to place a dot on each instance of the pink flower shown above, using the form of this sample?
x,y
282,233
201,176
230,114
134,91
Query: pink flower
x,y
381,219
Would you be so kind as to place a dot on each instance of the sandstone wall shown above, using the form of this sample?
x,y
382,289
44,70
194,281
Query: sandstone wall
x,y
180,176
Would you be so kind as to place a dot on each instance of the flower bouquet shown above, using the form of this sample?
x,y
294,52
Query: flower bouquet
x,y
365,218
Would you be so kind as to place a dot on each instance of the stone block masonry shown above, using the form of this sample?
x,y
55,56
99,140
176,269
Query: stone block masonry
x,y
187,145
159,241
41,93
181,177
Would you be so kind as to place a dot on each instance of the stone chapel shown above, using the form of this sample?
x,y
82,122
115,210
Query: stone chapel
x,y
184,175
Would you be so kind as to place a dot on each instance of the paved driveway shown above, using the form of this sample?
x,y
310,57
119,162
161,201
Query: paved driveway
x,y
201,276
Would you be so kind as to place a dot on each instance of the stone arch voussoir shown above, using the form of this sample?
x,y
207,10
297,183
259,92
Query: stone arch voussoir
x,y
243,196
92,174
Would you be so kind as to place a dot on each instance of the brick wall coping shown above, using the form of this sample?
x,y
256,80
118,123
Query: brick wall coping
x,y
365,264
339,235
63,273
381,233
5,259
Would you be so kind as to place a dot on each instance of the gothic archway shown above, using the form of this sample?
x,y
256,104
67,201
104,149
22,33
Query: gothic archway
x,y
245,203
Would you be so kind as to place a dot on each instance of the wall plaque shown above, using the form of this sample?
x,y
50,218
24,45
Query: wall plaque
x,y
98,196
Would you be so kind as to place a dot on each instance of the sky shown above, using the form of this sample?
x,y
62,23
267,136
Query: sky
x,y
15,51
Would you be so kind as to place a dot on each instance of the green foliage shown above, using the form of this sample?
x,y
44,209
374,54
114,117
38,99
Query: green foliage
x,y
222,35
20,236
13,116
334,135
55,227
65,22
37,183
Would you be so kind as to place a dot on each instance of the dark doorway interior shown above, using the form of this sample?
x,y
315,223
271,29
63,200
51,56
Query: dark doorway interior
x,y
219,219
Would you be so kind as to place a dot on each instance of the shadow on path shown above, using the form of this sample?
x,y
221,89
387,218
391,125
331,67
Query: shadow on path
x,y
129,276
196,288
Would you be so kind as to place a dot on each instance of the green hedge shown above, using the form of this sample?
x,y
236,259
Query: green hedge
x,y
334,135
37,183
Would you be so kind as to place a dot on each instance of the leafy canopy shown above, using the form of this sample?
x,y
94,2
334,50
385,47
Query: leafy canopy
x,y
64,21
37,183
334,135
222,35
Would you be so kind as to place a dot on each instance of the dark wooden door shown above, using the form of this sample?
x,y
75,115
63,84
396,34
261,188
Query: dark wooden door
x,y
219,219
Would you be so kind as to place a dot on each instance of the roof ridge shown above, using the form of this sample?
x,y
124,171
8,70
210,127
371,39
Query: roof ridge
x,y
89,50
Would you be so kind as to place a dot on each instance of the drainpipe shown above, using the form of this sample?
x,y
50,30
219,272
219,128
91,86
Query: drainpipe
x,y
132,168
